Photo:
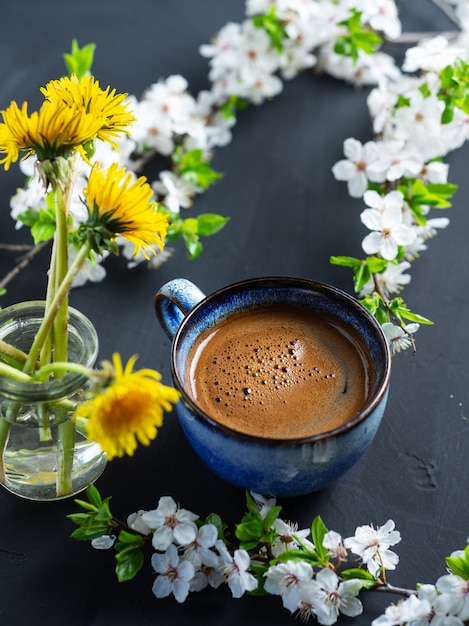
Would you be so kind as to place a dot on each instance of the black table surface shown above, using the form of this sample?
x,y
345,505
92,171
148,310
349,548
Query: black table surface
x,y
288,215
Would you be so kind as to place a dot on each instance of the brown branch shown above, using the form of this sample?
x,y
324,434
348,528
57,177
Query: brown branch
x,y
448,11
16,247
23,262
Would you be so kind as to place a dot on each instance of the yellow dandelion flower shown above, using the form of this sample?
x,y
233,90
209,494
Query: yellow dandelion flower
x,y
55,130
130,410
120,204
87,95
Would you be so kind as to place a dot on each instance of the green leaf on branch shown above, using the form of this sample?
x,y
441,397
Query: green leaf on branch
x,y
210,224
419,195
129,555
318,532
454,89
399,308
255,529
358,38
80,60
41,223
459,564
367,580
363,268
98,519
194,167
273,26
192,228
233,104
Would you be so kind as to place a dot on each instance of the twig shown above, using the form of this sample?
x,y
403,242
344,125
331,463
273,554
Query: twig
x,y
411,37
448,11
23,262
16,247
401,591
415,37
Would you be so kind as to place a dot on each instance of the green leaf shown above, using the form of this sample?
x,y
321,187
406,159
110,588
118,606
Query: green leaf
x,y
366,580
273,26
425,90
311,556
193,246
362,276
376,265
359,37
271,516
318,532
210,223
129,563
399,308
194,166
459,565
80,60
234,103
94,496
345,261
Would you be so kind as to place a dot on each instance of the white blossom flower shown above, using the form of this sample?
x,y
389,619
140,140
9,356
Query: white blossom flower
x,y
399,338
396,160
286,579
432,54
386,222
392,280
235,568
383,17
435,172
177,192
372,546
90,271
419,124
223,51
405,612
263,504
354,168
334,543
207,576
174,574
32,196
288,535
440,608
199,552
136,522
339,597
104,542
170,523
456,590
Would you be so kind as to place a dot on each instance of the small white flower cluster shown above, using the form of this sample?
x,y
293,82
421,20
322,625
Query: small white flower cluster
x,y
320,579
189,557
446,603
412,141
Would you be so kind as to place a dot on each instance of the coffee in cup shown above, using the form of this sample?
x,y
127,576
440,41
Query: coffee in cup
x,y
283,381
279,372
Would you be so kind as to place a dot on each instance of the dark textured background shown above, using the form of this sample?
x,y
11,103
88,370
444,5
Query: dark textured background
x,y
288,215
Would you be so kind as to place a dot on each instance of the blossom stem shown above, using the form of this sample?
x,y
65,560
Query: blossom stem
x,y
401,591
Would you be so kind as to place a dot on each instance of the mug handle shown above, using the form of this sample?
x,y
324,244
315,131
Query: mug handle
x,y
173,301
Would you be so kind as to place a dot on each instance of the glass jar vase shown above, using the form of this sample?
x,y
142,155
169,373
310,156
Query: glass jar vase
x,y
45,455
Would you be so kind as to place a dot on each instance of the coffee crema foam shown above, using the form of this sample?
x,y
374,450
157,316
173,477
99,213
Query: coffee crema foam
x,y
281,373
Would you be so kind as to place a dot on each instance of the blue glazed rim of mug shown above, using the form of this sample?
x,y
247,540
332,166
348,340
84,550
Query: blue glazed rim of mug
x,y
356,310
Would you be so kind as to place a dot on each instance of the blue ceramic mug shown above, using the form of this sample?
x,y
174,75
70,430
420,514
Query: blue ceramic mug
x,y
267,465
